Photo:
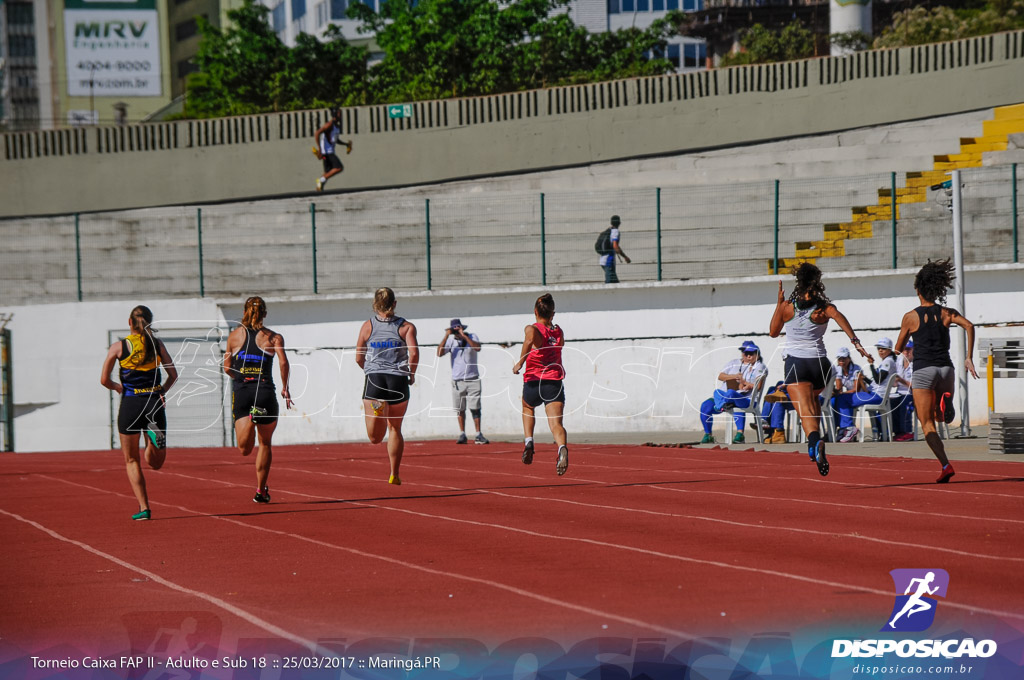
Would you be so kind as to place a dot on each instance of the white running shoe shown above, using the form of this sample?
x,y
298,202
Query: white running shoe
x,y
850,434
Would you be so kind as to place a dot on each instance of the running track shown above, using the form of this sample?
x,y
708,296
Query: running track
x,y
634,542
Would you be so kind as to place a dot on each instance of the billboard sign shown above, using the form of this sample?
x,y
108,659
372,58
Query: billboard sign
x,y
112,48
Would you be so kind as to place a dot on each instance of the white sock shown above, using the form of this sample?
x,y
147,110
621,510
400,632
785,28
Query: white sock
x,y
529,439
463,433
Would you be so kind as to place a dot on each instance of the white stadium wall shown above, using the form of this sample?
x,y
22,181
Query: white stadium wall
x,y
640,357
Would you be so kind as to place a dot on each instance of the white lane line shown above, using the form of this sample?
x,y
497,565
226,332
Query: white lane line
x,y
391,560
704,518
617,546
215,601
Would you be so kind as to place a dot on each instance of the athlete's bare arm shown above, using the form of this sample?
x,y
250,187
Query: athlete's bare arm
x,y
113,354
277,344
530,342
957,318
408,333
168,364
364,337
783,313
907,326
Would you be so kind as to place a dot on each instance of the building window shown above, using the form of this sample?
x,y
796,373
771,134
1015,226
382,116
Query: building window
x,y
658,5
613,7
628,5
672,4
21,46
673,55
186,29
298,9
185,66
278,17
19,14
339,9
643,5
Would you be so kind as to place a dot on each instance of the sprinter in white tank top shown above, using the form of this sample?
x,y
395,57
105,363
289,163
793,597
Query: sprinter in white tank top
x,y
804,315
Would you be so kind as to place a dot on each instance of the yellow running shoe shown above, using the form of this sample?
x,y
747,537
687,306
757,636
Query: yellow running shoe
x,y
395,480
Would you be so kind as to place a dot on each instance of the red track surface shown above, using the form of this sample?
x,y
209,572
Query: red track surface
x,y
632,542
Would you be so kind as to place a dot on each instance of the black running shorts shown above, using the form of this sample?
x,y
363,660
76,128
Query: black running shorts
x,y
134,413
816,371
331,161
537,392
386,387
255,395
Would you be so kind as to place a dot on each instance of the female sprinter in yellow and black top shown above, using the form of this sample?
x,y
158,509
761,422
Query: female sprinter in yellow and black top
x,y
249,361
142,399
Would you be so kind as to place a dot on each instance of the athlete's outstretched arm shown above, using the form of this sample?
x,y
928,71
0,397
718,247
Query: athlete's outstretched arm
x,y
782,310
833,312
907,326
108,365
529,343
364,337
277,342
960,320
408,333
172,372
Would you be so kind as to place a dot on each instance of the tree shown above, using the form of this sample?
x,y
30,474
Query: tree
x,y
247,69
763,45
920,26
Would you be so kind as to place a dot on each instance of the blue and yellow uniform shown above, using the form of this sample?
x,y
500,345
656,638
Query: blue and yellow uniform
x,y
252,381
142,389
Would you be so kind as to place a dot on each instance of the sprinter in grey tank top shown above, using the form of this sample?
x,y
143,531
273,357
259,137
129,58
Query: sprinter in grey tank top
x,y
386,351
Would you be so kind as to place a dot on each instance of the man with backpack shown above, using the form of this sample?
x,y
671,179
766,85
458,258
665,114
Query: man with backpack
x,y
607,246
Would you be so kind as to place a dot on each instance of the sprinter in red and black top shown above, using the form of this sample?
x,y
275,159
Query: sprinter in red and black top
x,y
542,381
249,361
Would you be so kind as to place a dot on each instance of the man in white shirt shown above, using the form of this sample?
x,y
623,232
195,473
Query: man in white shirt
x,y
613,250
463,348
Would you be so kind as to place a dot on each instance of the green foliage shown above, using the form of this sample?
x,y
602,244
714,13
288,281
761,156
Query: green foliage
x,y
247,69
920,26
433,49
851,40
763,45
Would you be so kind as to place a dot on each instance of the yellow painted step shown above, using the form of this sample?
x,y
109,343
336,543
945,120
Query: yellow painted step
x,y
983,147
1012,111
1003,127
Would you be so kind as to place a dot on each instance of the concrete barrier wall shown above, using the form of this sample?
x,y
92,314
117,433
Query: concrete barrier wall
x,y
192,161
640,358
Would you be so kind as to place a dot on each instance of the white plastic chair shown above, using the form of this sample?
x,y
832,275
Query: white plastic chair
x,y
794,427
754,409
884,409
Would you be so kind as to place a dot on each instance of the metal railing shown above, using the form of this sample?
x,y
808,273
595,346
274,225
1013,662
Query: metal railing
x,y
351,243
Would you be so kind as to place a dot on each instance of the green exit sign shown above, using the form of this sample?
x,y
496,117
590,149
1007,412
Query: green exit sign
x,y
400,111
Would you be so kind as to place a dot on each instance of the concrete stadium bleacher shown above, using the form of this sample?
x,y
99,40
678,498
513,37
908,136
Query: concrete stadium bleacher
x,y
717,219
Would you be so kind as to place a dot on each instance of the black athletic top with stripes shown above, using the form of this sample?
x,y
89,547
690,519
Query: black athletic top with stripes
x,y
252,364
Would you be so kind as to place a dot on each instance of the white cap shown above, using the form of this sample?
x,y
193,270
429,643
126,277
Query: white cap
x,y
843,352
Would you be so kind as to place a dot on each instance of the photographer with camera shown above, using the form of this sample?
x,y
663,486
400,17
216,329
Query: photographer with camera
x,y
463,348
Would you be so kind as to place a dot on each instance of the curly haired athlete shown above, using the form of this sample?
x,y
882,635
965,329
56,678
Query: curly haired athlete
x,y
805,315
934,377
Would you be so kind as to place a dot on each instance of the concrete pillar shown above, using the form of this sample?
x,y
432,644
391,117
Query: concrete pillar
x,y
846,16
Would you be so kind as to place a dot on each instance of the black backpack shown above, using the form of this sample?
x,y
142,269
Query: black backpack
x,y
603,245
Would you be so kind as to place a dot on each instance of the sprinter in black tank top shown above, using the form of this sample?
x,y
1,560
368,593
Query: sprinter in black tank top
x,y
934,376
249,361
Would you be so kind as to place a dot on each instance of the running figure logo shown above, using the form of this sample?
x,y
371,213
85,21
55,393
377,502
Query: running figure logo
x,y
914,610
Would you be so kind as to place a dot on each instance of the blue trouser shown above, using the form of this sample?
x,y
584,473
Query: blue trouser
x,y
609,272
717,404
774,413
847,402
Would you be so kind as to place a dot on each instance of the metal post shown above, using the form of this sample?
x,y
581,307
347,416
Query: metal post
x,y
775,261
428,246
1013,201
990,379
312,221
7,400
959,295
657,209
892,196
543,246
78,258
199,232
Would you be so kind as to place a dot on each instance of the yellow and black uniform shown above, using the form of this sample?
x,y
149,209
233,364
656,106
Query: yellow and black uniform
x,y
253,382
142,399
